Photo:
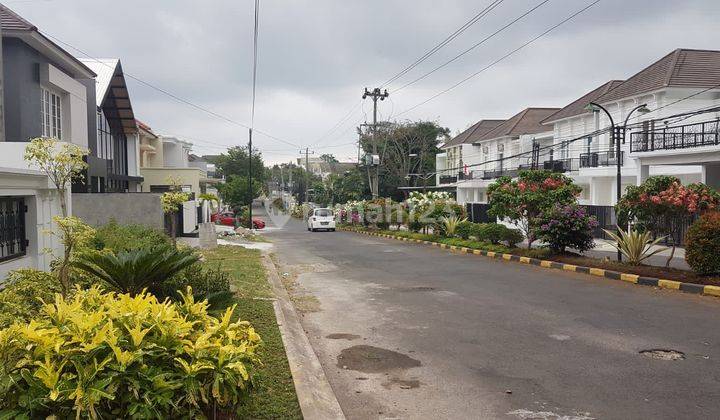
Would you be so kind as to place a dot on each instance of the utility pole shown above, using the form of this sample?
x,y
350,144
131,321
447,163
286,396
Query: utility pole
x,y
375,94
307,170
250,180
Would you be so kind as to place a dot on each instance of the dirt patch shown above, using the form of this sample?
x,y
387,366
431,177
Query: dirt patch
x,y
303,301
342,336
401,383
371,359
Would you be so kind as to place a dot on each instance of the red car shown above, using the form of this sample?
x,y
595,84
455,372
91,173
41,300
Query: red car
x,y
228,219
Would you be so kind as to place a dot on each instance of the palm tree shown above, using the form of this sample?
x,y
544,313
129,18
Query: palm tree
x,y
134,270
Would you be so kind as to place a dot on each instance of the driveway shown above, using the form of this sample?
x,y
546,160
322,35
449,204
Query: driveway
x,y
411,331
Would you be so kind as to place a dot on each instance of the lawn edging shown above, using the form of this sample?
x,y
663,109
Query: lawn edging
x,y
600,272
316,396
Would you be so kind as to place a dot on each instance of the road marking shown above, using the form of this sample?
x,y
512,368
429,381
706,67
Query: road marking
x,y
597,272
631,278
669,284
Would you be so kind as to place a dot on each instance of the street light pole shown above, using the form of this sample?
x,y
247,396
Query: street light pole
x,y
618,134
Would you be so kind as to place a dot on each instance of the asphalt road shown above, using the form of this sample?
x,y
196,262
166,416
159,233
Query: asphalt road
x,y
411,331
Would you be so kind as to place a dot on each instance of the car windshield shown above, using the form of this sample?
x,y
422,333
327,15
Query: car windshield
x,y
323,213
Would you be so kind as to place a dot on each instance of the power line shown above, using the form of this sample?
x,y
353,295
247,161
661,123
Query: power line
x,y
445,41
424,57
472,47
168,93
501,58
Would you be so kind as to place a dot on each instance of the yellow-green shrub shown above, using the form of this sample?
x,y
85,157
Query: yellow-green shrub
x,y
103,355
23,292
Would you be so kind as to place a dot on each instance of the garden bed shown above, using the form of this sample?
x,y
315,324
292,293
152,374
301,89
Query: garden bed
x,y
545,254
274,393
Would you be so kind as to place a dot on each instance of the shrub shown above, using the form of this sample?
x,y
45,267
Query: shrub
x,y
465,229
523,200
702,251
566,226
449,225
117,237
635,245
102,355
132,271
24,293
207,283
496,233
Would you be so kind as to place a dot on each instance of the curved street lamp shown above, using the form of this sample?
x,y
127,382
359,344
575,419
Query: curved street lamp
x,y
617,134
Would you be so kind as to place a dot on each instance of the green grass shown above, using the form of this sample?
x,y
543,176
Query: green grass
x,y
273,396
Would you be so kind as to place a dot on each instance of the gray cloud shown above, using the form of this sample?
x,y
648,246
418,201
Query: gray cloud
x,y
317,55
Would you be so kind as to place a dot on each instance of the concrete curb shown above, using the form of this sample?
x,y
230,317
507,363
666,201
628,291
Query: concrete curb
x,y
600,272
316,396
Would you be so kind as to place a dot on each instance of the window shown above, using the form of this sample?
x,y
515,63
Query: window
x,y
12,231
51,114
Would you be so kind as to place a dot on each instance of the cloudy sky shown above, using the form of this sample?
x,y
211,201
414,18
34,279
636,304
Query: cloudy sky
x,y
316,56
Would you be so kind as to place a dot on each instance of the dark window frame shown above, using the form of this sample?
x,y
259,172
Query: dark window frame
x,y
13,233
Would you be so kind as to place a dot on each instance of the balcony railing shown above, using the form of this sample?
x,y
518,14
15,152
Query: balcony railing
x,y
599,159
678,137
448,179
562,165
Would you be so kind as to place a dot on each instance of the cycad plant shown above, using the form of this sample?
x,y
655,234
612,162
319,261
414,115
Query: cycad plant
x,y
134,270
636,246
450,224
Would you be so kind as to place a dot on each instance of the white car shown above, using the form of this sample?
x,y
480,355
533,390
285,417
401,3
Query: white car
x,y
321,219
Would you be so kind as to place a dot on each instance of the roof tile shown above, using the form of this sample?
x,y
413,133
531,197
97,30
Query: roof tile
x,y
526,121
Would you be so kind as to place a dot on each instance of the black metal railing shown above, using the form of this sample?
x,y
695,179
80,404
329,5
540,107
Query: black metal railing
x,y
13,242
678,137
598,159
562,165
448,179
497,173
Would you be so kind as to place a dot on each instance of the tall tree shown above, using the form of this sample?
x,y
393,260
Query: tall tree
x,y
235,162
326,157
405,148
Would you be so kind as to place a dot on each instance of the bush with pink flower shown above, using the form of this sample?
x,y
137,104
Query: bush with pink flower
x,y
664,206
566,226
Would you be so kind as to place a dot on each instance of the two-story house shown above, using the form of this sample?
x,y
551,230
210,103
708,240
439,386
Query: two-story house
x,y
44,92
493,154
114,156
450,164
656,143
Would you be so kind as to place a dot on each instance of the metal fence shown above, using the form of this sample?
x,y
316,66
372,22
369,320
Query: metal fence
x,y
477,212
677,137
13,242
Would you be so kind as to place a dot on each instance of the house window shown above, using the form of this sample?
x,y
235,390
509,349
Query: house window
x,y
12,230
51,114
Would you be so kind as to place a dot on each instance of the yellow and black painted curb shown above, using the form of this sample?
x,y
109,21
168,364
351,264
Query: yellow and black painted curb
x,y
600,272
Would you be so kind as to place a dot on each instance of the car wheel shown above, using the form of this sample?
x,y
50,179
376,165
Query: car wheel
x,y
332,230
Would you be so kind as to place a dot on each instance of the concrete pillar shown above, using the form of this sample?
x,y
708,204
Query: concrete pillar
x,y
711,176
643,173
207,235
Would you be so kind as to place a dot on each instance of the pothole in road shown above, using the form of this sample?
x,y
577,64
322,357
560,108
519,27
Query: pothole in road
x,y
371,359
663,354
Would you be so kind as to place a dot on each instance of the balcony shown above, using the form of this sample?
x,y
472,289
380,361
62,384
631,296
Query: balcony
x,y
600,159
448,179
678,137
562,165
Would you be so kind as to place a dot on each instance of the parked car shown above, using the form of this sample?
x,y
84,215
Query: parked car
x,y
321,218
228,218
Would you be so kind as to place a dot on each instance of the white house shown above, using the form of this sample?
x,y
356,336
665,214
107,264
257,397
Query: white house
x,y
489,155
44,91
684,80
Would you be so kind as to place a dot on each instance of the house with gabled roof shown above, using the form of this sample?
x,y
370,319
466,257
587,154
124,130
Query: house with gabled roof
x,y
114,160
490,151
44,92
681,81
456,147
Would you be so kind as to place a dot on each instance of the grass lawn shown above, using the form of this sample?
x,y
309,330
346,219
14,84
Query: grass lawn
x,y
274,394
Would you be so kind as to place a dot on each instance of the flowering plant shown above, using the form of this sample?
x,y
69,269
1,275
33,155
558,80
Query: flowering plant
x,y
525,199
663,205
566,226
